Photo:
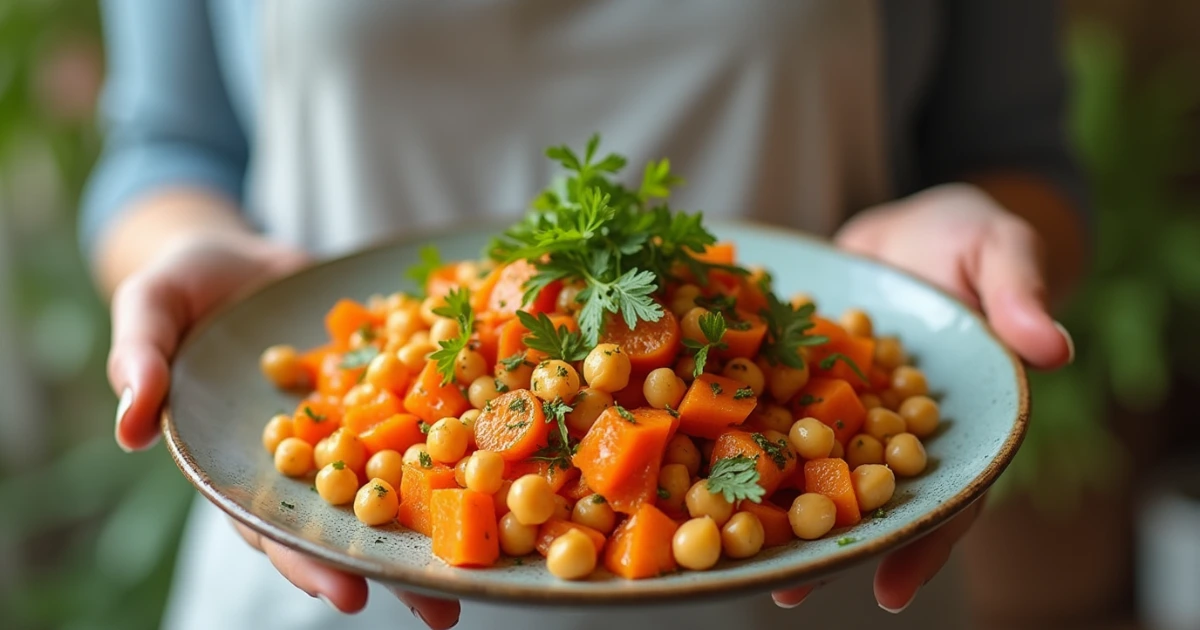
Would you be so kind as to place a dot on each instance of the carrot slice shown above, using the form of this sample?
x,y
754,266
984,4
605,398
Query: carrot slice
x,y
860,350
775,461
712,405
316,418
397,433
776,526
831,477
346,318
641,546
374,410
833,402
416,489
431,401
464,529
508,289
513,425
555,527
744,337
621,451
650,345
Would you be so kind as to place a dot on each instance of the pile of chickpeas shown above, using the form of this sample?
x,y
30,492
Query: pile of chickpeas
x,y
889,445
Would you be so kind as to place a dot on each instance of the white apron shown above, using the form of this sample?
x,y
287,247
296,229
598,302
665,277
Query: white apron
x,y
376,118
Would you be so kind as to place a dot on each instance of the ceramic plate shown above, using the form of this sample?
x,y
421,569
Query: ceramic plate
x,y
219,402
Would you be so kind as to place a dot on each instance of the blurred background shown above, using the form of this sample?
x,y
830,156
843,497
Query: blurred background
x,y
88,534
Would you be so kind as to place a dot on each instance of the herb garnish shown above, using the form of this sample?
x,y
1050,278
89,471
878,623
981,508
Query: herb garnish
x,y
458,308
561,343
290,506
597,498
424,427
846,540
513,362
777,451
380,491
419,273
716,388
809,399
743,392
517,405
338,465
663,494
425,460
786,328
560,449
712,326
358,358
625,414
736,478
827,363
315,417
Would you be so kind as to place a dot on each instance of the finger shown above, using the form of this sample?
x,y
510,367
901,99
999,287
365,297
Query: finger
x,y
438,614
792,597
149,314
1011,288
901,574
343,591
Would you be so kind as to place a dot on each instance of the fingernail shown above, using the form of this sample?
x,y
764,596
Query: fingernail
x,y
787,606
122,409
321,596
1070,342
897,611
416,613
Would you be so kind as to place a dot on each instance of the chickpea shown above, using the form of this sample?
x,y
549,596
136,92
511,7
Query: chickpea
x,y
482,391
863,449
802,299
857,323
812,515
469,365
593,511
701,502
870,401
428,305
402,323
682,450
697,544
743,536
414,354
811,438
322,456
531,499
890,399
484,472
443,329
562,508
690,325
745,371
360,394
387,465
421,337
586,408
882,424
874,486
921,415
908,381
607,368
500,498
555,379
906,455
663,387
785,382
838,450
568,299
468,419
447,440
775,418
376,503
386,373
674,481
294,457
281,365
889,353
337,484
517,378
571,556
278,429
516,538
412,456
345,447
684,299
460,473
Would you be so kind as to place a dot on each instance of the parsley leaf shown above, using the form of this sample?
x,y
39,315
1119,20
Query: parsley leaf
x,y
424,427
315,417
285,504
458,308
712,326
736,478
846,540
561,343
625,414
513,362
425,460
827,363
786,328
358,358
598,498
743,392
431,261
338,465
559,451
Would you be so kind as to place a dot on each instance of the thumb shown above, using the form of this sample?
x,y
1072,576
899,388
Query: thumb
x,y
1011,287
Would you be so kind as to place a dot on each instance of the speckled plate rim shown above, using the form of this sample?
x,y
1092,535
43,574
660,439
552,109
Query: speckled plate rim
x,y
649,591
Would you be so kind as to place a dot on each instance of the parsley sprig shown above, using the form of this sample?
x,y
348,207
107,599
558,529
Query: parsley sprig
x,y
359,358
827,364
561,343
787,332
712,325
458,308
431,261
736,478
560,449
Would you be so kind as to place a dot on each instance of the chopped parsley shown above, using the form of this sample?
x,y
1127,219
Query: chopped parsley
x,y
558,343
879,513
625,414
285,504
736,478
809,399
787,332
518,405
712,326
716,388
431,261
846,540
339,465
517,425
501,387
598,498
671,410
315,417
562,371
743,393
458,308
381,491
424,427
663,494
777,451
827,364
560,449
425,460
513,362
379,540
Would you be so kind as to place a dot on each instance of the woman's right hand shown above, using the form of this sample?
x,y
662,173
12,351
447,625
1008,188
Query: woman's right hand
x,y
152,309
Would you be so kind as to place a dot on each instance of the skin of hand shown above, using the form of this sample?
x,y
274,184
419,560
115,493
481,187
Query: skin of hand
x,y
960,238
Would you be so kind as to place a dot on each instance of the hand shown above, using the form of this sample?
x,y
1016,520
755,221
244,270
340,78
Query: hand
x,y
152,310
959,238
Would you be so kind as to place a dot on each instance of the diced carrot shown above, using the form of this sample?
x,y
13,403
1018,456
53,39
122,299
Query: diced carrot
x,y
576,490
344,319
776,526
750,296
744,337
513,425
621,450
416,487
775,461
712,405
464,529
486,338
555,475
363,416
722,253
333,379
650,345
312,362
831,477
316,418
397,433
639,489
555,527
833,402
431,401
641,546
509,289
880,379
859,350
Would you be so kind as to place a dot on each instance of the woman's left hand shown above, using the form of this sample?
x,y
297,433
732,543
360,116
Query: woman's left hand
x,y
962,240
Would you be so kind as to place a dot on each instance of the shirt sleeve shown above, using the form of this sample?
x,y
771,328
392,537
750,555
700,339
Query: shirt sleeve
x,y
165,111
998,97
